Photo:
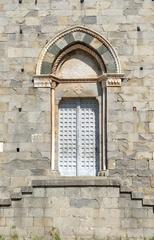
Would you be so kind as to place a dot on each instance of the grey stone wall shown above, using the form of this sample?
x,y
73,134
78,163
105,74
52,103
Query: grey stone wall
x,y
25,123
25,112
89,213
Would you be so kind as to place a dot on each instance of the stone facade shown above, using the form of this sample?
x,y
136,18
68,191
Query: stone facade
x,y
27,27
92,209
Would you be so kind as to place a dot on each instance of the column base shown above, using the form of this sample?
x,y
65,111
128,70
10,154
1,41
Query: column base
x,y
103,173
54,173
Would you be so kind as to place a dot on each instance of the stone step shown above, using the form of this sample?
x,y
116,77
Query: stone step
x,y
17,194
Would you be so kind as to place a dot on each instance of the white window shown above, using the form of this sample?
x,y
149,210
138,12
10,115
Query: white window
x,y
78,137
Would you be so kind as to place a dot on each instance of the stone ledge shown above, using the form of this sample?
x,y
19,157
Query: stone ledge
x,y
125,189
27,190
5,202
77,182
137,195
148,202
16,196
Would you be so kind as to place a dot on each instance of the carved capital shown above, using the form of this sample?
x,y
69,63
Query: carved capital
x,y
44,82
111,80
53,84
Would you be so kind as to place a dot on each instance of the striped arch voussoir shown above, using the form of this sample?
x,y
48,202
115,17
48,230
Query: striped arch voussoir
x,y
73,36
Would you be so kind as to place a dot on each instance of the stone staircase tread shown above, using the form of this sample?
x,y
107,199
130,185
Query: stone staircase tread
x,y
17,194
27,190
5,202
148,201
125,189
137,195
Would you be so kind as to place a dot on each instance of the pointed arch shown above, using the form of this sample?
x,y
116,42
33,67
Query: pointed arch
x,y
82,61
73,36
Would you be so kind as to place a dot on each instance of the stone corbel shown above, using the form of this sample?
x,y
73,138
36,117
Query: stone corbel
x,y
114,80
111,80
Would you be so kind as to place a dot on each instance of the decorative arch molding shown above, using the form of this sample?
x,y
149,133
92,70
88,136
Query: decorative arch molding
x,y
65,54
95,67
73,36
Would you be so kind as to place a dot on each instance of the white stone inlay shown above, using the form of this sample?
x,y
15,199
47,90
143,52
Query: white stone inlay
x,y
1,146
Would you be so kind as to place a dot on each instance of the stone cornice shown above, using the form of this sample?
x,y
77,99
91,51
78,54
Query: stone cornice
x,y
46,81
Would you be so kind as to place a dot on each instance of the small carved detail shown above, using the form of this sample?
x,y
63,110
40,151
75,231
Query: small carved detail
x,y
113,82
53,84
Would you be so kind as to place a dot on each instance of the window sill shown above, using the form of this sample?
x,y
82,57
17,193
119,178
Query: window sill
x,y
76,182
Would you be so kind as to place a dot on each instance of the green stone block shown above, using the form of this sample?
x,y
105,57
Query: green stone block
x,y
107,57
102,49
88,38
111,68
54,49
69,38
46,68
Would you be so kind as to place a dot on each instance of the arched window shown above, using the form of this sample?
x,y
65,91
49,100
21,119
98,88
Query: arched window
x,y
78,65
78,135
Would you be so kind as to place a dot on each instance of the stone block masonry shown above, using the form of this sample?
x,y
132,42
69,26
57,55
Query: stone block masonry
x,y
101,210
77,212
24,30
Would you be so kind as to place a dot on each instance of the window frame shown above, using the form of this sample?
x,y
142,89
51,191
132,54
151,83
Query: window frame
x,y
46,77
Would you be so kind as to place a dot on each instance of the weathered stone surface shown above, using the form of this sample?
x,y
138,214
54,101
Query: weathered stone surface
x,y
48,209
89,20
84,202
46,68
5,202
25,120
76,182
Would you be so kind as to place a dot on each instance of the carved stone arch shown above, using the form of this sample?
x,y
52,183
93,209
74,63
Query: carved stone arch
x,y
73,36
97,69
81,54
